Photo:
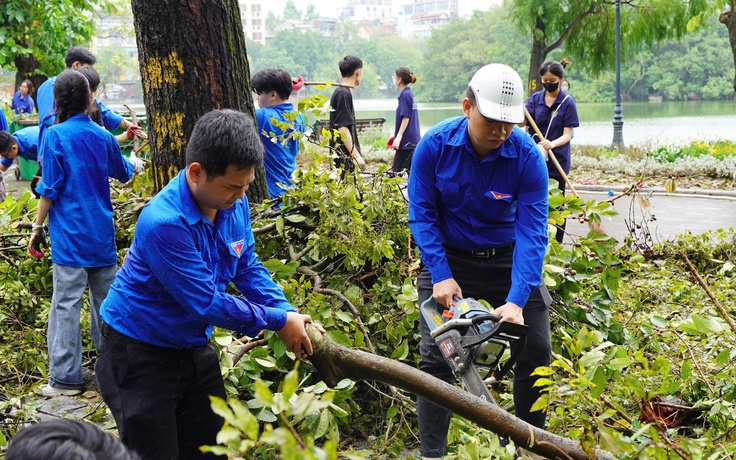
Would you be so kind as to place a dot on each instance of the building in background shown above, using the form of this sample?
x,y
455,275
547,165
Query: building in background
x,y
419,18
115,31
358,11
253,17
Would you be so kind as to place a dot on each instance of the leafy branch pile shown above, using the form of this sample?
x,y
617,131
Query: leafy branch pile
x,y
643,364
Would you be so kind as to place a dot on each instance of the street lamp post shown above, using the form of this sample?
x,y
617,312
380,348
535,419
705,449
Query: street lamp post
x,y
618,117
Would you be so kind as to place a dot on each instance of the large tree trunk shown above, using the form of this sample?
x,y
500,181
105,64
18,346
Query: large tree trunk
x,y
538,55
192,58
729,20
335,363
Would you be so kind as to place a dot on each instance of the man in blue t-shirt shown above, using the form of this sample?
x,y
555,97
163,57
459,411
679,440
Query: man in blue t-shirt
x,y
280,127
156,369
478,212
75,58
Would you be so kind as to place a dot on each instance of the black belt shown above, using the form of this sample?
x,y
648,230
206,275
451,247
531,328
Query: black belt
x,y
481,253
109,332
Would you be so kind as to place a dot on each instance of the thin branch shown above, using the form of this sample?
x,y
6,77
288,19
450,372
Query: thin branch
x,y
320,290
569,29
692,357
700,280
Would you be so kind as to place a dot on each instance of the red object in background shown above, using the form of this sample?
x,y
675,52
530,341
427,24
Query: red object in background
x,y
390,143
297,83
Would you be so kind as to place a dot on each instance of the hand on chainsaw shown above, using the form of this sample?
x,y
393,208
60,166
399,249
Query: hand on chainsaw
x,y
510,312
444,291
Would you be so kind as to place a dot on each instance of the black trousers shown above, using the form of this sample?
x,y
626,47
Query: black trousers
x,y
160,396
560,228
402,161
488,279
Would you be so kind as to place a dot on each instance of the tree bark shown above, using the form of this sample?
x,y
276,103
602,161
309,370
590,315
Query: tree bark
x,y
538,55
334,363
728,19
192,58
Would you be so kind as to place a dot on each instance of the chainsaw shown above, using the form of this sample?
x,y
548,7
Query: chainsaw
x,y
473,341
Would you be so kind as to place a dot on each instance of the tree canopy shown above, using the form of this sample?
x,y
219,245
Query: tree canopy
x,y
587,28
35,35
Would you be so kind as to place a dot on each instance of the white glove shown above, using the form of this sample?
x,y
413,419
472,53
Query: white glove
x,y
137,164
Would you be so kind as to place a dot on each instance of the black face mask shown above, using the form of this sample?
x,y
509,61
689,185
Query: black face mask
x,y
551,87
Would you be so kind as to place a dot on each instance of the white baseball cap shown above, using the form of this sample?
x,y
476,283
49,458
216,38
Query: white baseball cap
x,y
499,93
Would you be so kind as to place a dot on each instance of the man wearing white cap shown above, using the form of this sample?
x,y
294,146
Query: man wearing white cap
x,y
478,212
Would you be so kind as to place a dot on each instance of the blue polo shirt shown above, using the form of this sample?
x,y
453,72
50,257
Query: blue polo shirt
x,y
47,109
22,104
567,117
45,102
170,290
407,108
457,200
3,121
79,158
27,139
280,158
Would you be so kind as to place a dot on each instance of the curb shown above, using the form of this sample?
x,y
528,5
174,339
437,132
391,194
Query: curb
x,y
700,193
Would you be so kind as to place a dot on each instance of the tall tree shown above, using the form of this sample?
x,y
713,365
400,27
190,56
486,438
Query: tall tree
x,y
192,59
35,36
728,18
587,29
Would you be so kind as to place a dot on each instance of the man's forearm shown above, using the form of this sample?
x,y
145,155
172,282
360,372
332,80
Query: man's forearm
x,y
347,140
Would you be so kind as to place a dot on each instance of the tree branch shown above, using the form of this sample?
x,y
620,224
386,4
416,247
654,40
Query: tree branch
x,y
334,363
700,280
569,29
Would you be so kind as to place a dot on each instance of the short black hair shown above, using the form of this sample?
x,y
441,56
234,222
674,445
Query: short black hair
x,y
273,79
349,64
222,138
93,78
7,141
77,53
66,439
71,95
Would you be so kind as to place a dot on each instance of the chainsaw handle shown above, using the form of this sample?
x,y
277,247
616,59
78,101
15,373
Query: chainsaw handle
x,y
485,317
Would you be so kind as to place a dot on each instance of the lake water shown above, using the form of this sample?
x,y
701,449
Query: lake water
x,y
646,124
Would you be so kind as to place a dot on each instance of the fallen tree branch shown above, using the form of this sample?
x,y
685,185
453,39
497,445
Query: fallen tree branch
x,y
320,290
336,363
700,280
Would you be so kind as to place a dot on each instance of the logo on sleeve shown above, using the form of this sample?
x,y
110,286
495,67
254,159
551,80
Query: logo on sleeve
x,y
237,246
499,195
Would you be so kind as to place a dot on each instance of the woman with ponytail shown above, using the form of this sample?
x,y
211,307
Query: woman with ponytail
x,y
79,157
406,133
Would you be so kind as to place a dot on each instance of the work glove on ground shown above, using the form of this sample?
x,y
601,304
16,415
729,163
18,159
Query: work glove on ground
x,y
37,241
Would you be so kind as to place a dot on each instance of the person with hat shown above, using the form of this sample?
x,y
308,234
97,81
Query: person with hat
x,y
478,213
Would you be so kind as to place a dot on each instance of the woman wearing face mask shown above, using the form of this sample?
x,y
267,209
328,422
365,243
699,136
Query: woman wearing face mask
x,y
555,113
406,133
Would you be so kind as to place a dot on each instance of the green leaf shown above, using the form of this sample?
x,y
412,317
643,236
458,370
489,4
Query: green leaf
x,y
658,321
401,352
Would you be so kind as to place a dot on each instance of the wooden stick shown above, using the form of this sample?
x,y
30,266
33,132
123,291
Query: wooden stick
x,y
324,83
551,155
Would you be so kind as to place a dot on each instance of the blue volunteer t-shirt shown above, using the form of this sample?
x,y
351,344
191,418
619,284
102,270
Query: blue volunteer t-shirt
x,y
170,290
27,139
79,158
407,108
280,156
457,200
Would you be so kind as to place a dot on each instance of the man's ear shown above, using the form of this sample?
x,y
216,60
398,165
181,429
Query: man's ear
x,y
467,106
196,173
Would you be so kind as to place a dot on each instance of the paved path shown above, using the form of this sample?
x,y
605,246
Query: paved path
x,y
674,214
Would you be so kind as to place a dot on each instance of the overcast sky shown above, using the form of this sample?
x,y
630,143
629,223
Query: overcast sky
x,y
329,7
